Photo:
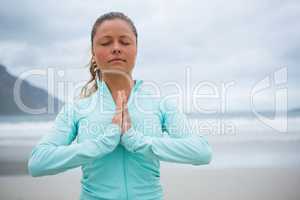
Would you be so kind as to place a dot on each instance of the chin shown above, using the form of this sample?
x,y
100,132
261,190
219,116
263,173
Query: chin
x,y
117,68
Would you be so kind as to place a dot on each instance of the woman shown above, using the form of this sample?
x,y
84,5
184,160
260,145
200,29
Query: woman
x,y
120,138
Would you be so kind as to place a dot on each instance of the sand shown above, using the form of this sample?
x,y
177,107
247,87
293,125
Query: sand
x,y
179,182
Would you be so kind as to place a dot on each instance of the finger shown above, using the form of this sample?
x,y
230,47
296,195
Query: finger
x,y
124,97
124,100
119,102
126,117
122,107
126,126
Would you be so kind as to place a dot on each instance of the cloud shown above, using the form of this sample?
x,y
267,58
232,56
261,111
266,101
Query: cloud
x,y
218,40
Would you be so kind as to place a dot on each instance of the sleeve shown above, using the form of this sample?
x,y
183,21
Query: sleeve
x,y
56,153
182,144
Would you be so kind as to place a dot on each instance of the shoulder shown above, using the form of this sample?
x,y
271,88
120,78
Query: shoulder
x,y
152,95
148,95
76,108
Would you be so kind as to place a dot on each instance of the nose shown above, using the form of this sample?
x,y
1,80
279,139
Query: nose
x,y
116,49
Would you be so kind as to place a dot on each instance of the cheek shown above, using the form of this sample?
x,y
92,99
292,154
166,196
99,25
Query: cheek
x,y
101,55
132,54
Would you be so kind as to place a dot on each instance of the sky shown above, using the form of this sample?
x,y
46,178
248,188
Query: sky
x,y
195,44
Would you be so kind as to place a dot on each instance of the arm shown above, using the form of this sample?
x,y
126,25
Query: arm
x,y
55,153
181,145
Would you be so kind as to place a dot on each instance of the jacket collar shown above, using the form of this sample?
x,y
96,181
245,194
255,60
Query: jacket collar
x,y
104,92
103,87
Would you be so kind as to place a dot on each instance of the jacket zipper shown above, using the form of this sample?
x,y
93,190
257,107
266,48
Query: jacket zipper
x,y
125,174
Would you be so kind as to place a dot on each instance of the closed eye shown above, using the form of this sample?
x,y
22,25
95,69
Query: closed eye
x,y
105,44
125,43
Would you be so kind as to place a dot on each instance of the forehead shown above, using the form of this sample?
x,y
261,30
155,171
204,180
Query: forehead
x,y
114,27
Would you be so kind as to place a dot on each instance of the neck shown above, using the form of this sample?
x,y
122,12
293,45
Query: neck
x,y
117,82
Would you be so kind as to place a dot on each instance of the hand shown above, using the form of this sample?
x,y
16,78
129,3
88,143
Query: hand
x,y
122,117
126,119
117,119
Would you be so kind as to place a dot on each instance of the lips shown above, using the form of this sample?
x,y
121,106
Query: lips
x,y
117,59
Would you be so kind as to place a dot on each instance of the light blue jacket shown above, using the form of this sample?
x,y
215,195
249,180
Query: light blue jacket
x,y
119,167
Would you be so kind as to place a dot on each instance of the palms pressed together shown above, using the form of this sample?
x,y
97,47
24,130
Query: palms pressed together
x,y
122,117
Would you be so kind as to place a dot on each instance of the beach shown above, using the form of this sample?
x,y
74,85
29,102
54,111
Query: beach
x,y
255,163
179,183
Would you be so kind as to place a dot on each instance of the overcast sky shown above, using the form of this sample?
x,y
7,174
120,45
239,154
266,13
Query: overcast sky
x,y
217,41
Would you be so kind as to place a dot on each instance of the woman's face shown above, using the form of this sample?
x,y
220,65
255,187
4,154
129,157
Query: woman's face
x,y
114,46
